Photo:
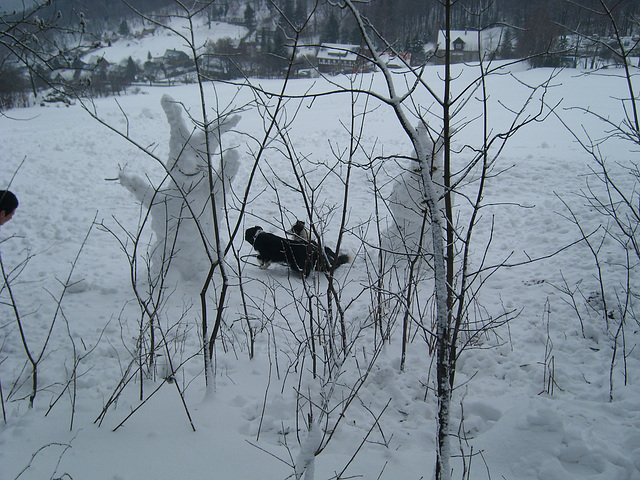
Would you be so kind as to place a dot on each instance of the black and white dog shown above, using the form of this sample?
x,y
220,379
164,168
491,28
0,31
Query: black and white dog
x,y
299,254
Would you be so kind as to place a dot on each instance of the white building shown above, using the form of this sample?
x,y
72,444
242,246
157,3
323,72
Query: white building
x,y
470,45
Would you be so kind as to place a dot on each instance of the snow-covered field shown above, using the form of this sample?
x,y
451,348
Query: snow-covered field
x,y
251,426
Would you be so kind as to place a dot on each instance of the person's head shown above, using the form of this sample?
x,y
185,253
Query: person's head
x,y
8,205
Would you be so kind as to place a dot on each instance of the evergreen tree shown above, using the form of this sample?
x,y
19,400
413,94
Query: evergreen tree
x,y
264,41
301,12
537,36
332,30
278,47
276,60
506,45
249,16
289,10
124,28
12,84
355,37
131,70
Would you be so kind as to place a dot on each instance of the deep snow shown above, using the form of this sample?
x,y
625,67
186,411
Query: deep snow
x,y
66,167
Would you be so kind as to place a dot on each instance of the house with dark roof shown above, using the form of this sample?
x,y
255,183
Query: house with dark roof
x,y
342,58
175,58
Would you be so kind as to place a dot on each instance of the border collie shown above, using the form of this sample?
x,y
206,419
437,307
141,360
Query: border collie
x,y
300,255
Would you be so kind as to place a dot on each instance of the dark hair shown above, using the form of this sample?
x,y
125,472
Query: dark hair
x,y
8,201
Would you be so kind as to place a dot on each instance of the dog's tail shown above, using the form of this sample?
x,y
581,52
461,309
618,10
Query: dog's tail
x,y
342,259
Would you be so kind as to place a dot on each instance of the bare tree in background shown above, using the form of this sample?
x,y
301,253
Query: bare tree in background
x,y
36,41
612,190
445,232
456,282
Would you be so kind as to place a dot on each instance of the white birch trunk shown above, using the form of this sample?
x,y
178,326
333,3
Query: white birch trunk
x,y
431,197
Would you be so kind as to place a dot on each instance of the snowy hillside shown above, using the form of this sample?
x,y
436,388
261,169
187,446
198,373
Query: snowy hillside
x,y
517,423
139,46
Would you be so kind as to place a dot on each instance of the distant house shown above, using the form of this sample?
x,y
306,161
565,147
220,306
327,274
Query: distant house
x,y
218,67
64,71
99,62
469,45
341,58
78,65
465,46
175,58
459,44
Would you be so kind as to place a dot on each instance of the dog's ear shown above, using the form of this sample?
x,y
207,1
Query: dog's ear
x,y
298,227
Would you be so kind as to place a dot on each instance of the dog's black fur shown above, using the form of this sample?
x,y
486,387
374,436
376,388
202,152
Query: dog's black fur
x,y
300,255
299,231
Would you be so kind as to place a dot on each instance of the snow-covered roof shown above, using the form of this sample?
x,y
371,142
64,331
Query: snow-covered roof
x,y
393,61
71,74
474,41
338,51
96,59
306,51
173,53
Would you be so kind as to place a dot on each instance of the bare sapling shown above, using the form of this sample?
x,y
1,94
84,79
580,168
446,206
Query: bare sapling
x,y
30,36
323,345
611,190
443,236
35,356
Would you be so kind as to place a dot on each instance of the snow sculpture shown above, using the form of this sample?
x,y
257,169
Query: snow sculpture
x,y
181,216
407,204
